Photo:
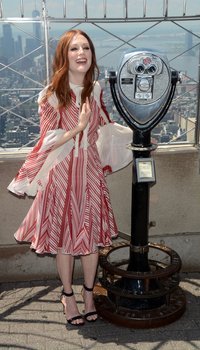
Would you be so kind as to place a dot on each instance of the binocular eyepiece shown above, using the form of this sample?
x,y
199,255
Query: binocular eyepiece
x,y
145,88
140,68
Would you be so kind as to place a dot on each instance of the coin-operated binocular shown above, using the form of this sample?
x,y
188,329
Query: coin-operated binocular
x,y
142,90
145,88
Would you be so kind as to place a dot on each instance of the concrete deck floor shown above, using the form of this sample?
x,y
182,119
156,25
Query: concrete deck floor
x,y
31,318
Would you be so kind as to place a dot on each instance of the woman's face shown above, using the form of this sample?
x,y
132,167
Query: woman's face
x,y
79,56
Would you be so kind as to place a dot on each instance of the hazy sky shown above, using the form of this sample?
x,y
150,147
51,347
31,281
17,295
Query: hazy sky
x,y
115,8
104,41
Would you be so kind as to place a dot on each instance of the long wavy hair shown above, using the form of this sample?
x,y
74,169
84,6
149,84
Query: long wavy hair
x,y
60,79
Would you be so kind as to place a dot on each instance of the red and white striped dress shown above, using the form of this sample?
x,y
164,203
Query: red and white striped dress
x,y
71,211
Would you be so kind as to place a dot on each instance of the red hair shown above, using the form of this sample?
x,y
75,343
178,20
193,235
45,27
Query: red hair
x,y
60,79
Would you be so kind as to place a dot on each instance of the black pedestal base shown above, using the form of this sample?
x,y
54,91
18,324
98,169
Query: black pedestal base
x,y
148,318
140,299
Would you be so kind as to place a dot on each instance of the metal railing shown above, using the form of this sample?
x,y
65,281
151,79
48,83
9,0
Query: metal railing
x,y
127,6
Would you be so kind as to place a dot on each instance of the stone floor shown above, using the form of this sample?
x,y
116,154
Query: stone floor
x,y
31,318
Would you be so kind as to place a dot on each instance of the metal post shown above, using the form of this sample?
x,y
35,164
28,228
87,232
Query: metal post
x,y
1,9
165,8
46,36
85,9
64,9
22,8
144,8
197,128
184,7
104,8
139,210
125,8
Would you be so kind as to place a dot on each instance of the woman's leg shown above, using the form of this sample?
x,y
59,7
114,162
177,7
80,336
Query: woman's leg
x,y
65,265
89,264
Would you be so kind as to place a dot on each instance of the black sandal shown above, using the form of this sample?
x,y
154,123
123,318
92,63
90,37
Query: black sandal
x,y
78,317
91,313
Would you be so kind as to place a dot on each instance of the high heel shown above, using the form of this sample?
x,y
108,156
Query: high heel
x,y
72,319
91,313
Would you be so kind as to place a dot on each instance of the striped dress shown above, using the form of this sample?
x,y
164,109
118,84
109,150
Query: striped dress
x,y
71,211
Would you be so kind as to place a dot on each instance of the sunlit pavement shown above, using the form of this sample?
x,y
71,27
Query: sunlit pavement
x,y
32,318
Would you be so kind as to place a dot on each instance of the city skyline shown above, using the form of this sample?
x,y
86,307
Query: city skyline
x,y
164,38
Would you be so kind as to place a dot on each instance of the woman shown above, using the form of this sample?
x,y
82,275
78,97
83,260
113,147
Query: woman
x,y
71,214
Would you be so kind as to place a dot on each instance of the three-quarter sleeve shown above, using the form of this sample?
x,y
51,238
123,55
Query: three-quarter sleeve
x,y
113,141
104,116
34,172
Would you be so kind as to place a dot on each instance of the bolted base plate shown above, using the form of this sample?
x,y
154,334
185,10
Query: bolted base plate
x,y
148,318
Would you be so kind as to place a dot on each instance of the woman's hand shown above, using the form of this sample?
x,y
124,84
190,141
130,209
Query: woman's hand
x,y
83,122
84,115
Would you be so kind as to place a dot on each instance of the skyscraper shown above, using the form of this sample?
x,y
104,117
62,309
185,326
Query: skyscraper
x,y
33,43
8,47
36,26
189,43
